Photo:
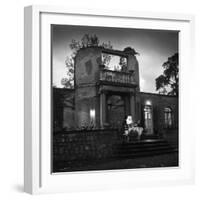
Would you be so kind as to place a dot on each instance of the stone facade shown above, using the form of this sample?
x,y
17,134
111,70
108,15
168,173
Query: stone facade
x,y
94,84
64,110
101,98
158,104
90,145
160,122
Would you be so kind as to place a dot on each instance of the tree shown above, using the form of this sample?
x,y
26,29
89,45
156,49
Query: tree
x,y
168,82
68,82
86,41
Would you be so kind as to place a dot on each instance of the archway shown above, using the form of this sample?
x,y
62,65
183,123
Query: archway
x,y
115,110
148,118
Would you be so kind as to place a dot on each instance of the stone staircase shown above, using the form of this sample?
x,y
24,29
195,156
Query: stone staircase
x,y
148,147
106,150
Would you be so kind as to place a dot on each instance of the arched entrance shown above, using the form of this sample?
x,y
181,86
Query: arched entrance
x,y
115,110
148,118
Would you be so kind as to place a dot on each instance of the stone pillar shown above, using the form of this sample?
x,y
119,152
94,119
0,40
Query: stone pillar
x,y
127,105
133,66
132,106
102,109
138,108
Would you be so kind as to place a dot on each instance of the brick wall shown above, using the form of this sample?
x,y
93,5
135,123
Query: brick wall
x,y
84,145
63,112
159,102
63,108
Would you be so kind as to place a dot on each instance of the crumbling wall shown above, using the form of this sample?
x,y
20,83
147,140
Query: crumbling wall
x,y
159,103
80,146
87,69
63,109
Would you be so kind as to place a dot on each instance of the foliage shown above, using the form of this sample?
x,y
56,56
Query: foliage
x,y
168,82
86,41
69,81
131,51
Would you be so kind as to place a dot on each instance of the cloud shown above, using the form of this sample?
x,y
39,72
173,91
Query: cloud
x,y
59,72
142,83
154,46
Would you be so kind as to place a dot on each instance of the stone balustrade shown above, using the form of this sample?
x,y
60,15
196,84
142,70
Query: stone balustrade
x,y
117,77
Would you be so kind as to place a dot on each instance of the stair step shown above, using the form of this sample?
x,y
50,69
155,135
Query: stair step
x,y
146,141
144,149
140,146
143,154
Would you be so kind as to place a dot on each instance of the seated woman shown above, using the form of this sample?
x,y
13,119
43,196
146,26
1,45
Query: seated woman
x,y
127,124
133,129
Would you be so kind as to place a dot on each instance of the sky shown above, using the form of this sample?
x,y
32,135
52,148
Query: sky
x,y
154,47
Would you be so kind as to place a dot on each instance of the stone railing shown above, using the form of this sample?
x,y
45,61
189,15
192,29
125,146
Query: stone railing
x,y
117,77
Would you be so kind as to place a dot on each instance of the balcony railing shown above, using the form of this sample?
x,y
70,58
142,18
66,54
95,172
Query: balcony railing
x,y
117,77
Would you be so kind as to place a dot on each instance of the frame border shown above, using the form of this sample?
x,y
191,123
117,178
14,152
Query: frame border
x,y
32,78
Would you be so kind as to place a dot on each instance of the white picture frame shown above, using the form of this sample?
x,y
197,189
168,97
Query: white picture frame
x,y
37,137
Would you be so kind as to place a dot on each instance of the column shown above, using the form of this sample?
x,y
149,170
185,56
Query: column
x,y
138,107
102,109
127,104
132,106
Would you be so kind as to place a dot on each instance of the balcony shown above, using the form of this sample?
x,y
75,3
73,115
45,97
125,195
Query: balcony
x,y
117,77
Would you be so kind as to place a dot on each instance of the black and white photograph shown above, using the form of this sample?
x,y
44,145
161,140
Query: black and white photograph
x,y
114,98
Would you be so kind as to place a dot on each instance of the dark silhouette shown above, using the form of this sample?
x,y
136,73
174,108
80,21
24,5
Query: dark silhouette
x,y
167,83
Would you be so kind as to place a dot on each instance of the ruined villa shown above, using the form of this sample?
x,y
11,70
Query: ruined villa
x,y
102,98
99,102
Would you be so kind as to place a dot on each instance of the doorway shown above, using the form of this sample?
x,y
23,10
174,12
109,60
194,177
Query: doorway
x,y
148,119
115,110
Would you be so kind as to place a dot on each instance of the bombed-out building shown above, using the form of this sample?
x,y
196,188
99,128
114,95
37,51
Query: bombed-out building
x,y
87,120
102,97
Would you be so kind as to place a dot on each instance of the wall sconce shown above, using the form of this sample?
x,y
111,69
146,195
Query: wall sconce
x,y
92,116
148,103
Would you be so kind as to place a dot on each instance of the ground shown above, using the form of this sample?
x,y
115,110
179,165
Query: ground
x,y
165,160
